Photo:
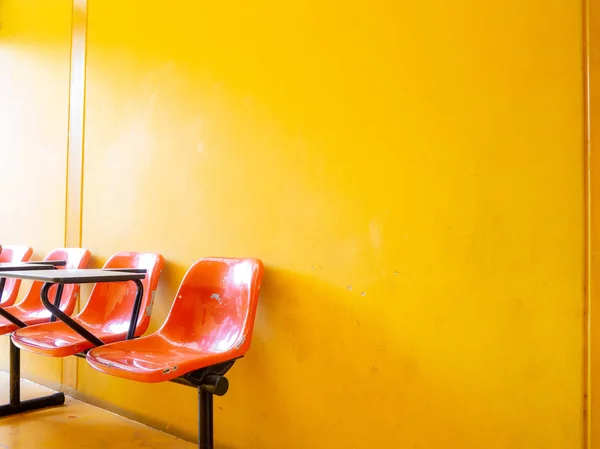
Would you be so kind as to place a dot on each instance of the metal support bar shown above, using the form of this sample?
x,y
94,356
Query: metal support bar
x,y
216,384
28,405
10,317
59,291
209,381
50,263
127,270
136,308
67,319
15,375
16,405
205,419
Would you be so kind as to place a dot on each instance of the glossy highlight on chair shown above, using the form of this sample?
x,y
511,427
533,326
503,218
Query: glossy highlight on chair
x,y
14,254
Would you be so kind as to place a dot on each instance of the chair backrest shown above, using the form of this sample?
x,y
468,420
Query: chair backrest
x,y
14,254
110,304
76,258
215,306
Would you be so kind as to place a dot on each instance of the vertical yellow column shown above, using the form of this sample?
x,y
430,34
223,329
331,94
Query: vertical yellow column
x,y
592,113
75,149
589,357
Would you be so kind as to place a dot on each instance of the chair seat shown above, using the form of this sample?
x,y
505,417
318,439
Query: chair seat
x,y
151,359
59,340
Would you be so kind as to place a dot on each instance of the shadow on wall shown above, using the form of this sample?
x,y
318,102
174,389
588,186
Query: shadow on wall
x,y
355,377
325,362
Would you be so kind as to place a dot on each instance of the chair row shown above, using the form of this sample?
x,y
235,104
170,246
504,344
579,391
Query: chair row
x,y
208,327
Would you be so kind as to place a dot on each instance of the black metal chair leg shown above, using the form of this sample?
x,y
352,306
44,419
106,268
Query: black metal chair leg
x,y
15,404
28,405
205,419
15,375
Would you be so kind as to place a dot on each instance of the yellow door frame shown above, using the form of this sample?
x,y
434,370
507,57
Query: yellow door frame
x,y
75,150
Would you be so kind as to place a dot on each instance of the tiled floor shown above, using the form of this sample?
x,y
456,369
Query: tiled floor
x,y
75,425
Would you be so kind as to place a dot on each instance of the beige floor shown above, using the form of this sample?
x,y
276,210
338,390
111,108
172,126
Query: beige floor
x,y
76,425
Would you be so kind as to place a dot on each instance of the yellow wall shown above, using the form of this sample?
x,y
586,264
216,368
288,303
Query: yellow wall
x,y
593,281
411,173
35,46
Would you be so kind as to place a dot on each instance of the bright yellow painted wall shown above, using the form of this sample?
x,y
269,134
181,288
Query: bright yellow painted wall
x,y
35,42
411,174
593,49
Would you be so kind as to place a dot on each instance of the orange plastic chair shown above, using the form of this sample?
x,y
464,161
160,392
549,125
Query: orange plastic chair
x,y
31,310
107,313
13,254
210,322
209,326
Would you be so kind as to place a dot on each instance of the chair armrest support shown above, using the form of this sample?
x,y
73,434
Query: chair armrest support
x,y
55,311
136,309
9,316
